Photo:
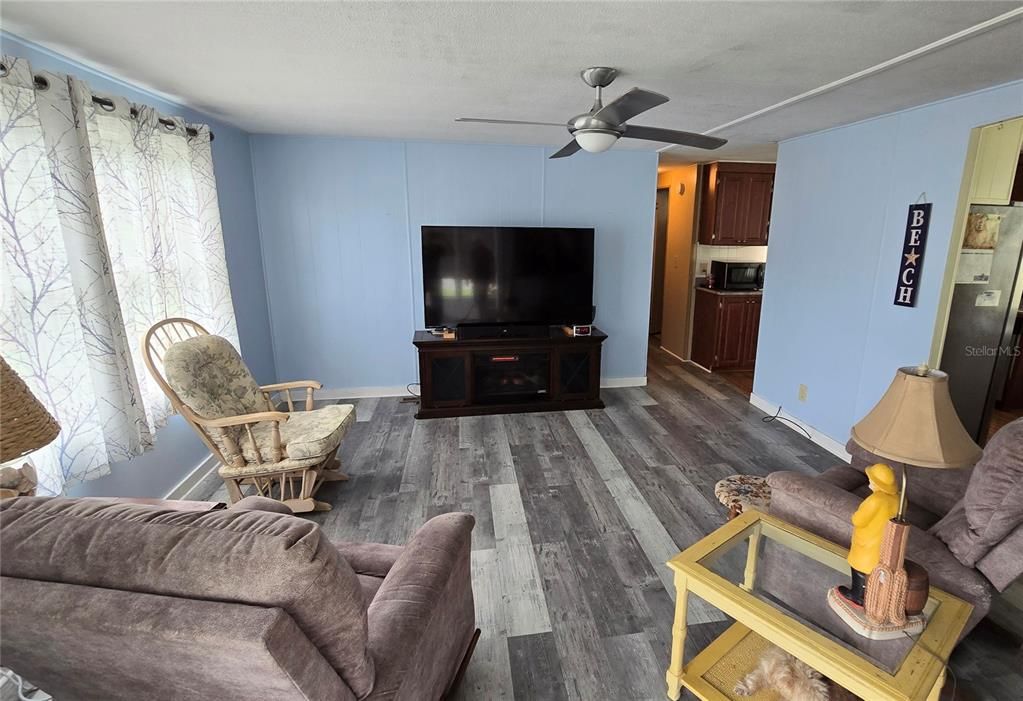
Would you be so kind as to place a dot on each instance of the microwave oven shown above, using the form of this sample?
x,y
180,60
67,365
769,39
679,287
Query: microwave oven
x,y
730,275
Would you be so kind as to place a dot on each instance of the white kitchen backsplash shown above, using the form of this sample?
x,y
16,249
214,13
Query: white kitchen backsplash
x,y
746,254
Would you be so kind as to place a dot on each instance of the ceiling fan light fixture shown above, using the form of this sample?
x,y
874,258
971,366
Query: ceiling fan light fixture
x,y
596,140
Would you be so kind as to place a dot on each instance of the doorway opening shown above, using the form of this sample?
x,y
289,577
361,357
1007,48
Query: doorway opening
x,y
660,256
981,347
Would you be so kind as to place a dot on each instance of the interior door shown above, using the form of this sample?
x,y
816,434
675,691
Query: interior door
x,y
758,212
660,254
732,197
997,156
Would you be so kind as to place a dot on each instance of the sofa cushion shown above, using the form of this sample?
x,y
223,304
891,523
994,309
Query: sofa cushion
x,y
993,505
242,556
994,499
305,435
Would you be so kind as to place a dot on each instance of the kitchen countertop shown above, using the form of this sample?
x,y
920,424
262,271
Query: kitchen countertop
x,y
730,292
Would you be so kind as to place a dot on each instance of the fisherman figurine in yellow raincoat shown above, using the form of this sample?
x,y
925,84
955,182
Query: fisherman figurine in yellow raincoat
x,y
868,529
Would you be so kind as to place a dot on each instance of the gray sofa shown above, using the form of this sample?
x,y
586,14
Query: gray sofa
x,y
119,601
967,524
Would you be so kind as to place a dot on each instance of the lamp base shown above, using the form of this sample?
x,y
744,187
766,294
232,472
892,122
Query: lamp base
x,y
856,618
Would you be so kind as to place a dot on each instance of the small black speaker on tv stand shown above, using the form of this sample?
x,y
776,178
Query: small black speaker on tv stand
x,y
467,332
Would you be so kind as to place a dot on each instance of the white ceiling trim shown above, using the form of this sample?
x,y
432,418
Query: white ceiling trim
x,y
978,28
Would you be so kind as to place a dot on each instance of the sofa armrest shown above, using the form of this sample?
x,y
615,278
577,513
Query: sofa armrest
x,y
844,477
813,504
422,617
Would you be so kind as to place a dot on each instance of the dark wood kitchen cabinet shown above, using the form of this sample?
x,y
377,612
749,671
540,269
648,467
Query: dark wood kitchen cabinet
x,y
725,329
735,204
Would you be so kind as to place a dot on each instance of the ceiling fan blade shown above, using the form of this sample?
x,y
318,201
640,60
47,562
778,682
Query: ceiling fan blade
x,y
511,121
634,102
567,150
671,136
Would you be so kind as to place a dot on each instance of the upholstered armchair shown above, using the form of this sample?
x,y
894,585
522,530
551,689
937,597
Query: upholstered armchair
x,y
124,602
286,455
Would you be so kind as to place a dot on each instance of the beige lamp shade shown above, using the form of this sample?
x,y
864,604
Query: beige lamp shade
x,y
915,423
25,424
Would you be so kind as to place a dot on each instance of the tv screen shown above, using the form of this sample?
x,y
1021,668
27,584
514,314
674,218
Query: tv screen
x,y
507,275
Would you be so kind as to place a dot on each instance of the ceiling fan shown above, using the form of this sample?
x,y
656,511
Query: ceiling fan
x,y
599,129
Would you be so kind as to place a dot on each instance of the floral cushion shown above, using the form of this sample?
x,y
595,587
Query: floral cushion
x,y
744,491
306,434
209,376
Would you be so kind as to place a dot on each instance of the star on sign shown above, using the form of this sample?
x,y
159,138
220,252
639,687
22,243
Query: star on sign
x,y
911,257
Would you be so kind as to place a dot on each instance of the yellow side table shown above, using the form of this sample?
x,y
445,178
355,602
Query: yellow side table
x,y
722,569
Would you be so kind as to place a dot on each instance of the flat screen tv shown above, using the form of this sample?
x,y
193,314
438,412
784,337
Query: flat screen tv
x,y
507,275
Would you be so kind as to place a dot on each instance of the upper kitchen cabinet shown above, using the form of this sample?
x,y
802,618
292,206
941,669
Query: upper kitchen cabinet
x,y
735,205
997,155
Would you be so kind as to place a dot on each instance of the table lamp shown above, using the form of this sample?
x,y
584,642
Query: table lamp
x,y
25,426
915,424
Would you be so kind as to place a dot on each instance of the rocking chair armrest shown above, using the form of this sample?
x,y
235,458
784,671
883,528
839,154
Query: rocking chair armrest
x,y
243,419
234,455
310,386
297,384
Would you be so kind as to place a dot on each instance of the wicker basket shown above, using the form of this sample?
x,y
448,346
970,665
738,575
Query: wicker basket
x,y
25,424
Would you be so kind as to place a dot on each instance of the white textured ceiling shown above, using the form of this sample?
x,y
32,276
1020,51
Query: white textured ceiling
x,y
406,70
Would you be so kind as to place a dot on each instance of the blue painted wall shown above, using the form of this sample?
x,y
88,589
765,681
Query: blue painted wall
x,y
178,450
340,223
837,227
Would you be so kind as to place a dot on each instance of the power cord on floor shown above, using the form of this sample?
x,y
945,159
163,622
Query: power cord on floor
x,y
778,417
948,669
413,396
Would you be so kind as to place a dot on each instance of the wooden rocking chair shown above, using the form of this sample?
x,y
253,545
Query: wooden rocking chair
x,y
209,385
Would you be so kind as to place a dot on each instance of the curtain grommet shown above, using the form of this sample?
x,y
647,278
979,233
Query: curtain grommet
x,y
4,70
41,83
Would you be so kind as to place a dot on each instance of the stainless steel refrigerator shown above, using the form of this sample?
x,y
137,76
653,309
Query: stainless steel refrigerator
x,y
980,347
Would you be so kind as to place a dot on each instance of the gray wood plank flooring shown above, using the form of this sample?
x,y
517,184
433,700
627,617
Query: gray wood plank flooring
x,y
576,514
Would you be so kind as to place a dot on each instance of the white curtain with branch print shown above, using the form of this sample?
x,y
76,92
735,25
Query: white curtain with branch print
x,y
110,223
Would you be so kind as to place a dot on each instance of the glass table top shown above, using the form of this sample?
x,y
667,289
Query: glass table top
x,y
793,574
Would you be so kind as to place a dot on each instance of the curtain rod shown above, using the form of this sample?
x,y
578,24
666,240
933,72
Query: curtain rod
x,y
107,103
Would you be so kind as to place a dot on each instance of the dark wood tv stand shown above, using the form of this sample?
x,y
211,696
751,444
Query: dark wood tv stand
x,y
505,375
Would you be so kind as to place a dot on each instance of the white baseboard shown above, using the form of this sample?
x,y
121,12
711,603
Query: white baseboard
x,y
616,382
184,488
696,364
362,392
822,439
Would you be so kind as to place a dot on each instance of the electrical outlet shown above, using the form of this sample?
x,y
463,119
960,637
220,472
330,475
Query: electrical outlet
x,y
802,393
